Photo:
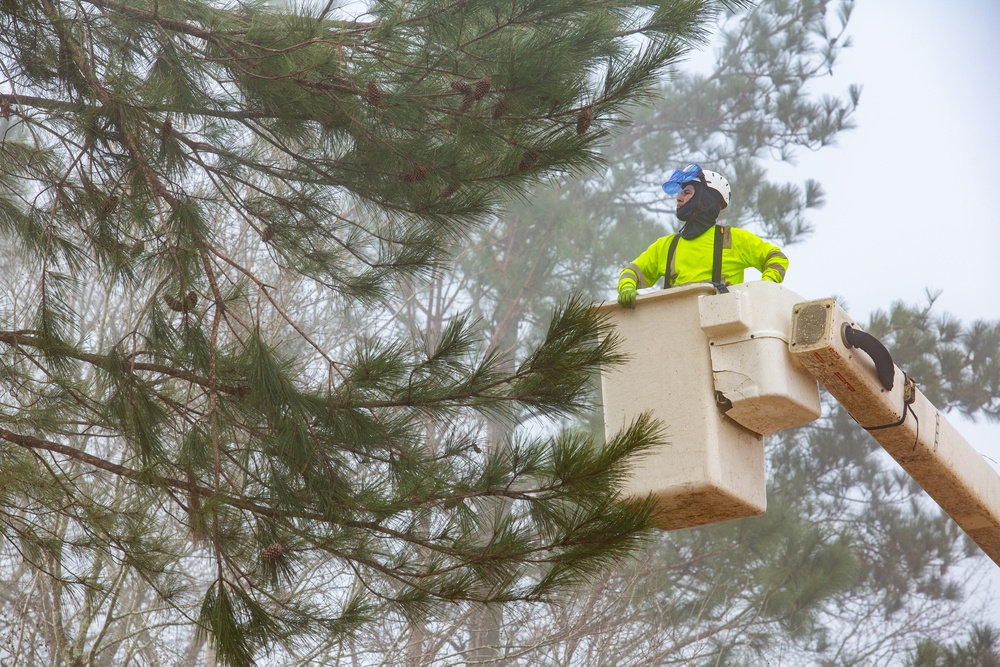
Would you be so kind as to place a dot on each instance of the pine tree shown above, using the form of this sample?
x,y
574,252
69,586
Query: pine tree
x,y
982,649
209,209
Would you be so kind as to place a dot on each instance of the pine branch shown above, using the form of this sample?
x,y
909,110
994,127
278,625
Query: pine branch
x,y
198,192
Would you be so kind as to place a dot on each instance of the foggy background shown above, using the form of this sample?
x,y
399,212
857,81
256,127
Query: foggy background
x,y
910,192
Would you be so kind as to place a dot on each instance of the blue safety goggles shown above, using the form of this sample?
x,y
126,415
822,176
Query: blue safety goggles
x,y
692,172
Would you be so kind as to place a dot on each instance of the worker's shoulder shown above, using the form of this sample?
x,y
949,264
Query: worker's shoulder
x,y
663,240
745,234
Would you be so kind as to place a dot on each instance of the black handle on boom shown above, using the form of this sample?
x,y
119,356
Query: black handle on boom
x,y
874,348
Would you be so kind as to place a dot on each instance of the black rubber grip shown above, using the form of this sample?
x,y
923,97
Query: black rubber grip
x,y
873,347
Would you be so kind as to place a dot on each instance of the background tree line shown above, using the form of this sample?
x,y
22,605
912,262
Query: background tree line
x,y
292,373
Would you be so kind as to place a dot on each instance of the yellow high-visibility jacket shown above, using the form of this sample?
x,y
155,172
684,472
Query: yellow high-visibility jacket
x,y
692,261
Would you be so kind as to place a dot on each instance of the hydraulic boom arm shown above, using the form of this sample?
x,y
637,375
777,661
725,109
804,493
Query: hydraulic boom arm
x,y
901,419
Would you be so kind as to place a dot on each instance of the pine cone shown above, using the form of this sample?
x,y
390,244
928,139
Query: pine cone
x,y
482,87
374,94
417,174
181,305
528,160
499,109
461,87
109,206
166,130
583,120
467,103
241,391
449,191
267,234
273,551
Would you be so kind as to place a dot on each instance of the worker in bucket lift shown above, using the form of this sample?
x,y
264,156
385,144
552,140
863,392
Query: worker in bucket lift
x,y
702,250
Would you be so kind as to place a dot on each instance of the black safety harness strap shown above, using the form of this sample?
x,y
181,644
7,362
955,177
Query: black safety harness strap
x,y
720,234
668,277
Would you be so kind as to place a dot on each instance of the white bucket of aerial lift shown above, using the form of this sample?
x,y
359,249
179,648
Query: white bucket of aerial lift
x,y
748,330
712,467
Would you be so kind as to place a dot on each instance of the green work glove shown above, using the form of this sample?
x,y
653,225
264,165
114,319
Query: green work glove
x,y
626,296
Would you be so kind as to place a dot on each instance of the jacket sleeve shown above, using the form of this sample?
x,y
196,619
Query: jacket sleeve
x,y
763,256
648,267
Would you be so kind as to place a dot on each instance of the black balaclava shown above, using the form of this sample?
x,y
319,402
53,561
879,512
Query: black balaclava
x,y
700,212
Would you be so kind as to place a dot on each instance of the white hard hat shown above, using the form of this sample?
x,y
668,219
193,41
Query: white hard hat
x,y
718,182
692,174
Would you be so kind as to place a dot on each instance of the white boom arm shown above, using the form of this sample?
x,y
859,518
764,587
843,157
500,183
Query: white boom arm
x,y
902,420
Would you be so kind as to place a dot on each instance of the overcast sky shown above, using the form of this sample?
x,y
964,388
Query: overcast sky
x,y
912,201
911,197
